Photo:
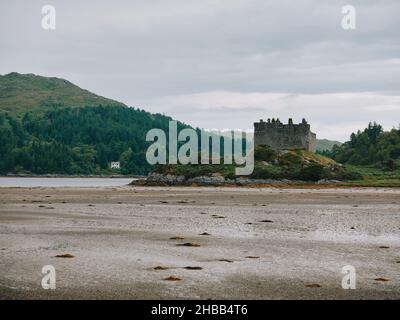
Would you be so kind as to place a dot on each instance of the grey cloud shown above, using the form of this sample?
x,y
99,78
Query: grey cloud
x,y
153,53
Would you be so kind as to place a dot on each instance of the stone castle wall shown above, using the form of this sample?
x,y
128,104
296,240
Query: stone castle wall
x,y
279,136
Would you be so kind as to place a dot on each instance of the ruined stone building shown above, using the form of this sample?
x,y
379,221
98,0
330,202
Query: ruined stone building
x,y
279,136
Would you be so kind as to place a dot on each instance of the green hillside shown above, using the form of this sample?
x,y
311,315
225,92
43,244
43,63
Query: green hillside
x,y
372,146
49,125
373,153
20,93
326,145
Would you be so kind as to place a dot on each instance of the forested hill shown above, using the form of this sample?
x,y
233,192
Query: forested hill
x,y
49,125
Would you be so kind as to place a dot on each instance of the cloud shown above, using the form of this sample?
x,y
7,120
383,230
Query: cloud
x,y
219,63
332,115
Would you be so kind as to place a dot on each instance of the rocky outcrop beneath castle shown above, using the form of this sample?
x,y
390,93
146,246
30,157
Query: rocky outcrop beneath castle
x,y
157,179
169,179
215,180
280,168
173,180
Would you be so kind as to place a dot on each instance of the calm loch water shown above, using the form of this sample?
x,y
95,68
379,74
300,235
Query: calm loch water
x,y
22,182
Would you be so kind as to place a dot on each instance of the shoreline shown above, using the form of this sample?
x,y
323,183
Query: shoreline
x,y
114,176
144,182
163,180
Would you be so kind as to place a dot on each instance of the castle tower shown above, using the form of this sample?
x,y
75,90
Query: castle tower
x,y
279,136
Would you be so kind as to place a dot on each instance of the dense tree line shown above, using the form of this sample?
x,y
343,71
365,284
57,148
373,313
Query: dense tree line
x,y
86,140
373,146
81,140
77,140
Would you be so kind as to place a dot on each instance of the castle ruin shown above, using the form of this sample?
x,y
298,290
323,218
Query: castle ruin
x,y
279,136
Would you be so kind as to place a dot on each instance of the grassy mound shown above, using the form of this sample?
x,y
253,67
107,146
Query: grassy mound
x,y
270,164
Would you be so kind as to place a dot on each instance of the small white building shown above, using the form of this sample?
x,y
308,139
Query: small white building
x,y
115,165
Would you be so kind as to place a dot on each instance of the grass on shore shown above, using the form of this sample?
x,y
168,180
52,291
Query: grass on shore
x,y
374,177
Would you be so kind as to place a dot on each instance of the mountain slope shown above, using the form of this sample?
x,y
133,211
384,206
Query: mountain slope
x,y
49,125
326,145
20,93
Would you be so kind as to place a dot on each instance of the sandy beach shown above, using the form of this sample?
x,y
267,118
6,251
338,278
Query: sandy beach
x,y
217,243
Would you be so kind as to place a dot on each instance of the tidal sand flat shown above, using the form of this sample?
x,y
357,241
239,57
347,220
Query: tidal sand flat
x,y
199,243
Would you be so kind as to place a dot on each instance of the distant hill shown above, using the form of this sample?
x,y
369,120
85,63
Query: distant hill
x,y
20,93
326,145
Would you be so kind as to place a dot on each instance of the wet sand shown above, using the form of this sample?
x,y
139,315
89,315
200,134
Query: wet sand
x,y
260,243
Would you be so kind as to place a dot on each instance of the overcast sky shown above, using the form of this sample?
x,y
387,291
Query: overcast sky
x,y
219,64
